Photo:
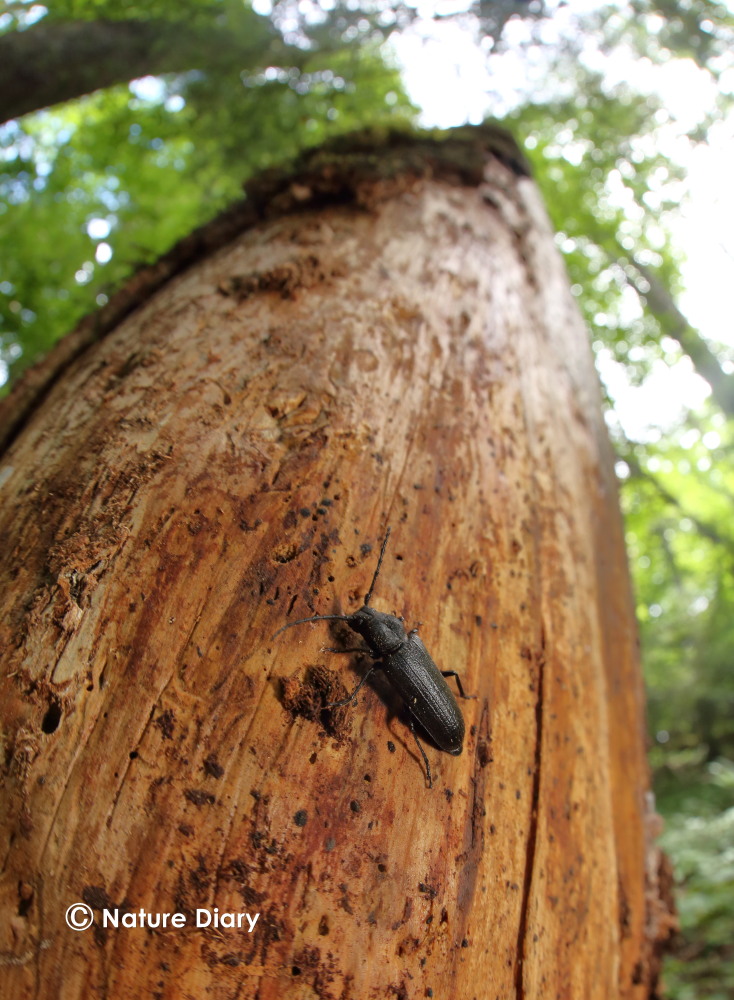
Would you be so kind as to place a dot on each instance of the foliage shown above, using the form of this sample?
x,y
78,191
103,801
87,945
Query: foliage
x,y
699,805
703,31
595,168
681,543
20,13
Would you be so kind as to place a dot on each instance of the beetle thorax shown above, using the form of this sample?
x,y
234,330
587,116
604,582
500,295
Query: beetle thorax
x,y
383,633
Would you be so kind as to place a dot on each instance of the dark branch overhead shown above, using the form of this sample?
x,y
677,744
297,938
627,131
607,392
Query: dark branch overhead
x,y
56,61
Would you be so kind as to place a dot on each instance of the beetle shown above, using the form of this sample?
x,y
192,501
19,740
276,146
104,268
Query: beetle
x,y
408,667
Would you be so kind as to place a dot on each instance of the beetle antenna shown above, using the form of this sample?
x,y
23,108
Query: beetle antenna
x,y
379,563
316,618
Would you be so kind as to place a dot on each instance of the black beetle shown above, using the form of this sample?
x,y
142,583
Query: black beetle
x,y
409,668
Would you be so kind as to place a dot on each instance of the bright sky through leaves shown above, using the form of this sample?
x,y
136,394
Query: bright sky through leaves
x,y
447,74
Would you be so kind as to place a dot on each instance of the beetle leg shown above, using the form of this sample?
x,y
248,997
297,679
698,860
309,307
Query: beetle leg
x,y
452,673
423,752
353,695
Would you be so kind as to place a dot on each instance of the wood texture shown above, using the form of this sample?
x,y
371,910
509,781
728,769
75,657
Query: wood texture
x,y
227,459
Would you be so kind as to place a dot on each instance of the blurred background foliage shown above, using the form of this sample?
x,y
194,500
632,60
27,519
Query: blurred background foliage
x,y
127,124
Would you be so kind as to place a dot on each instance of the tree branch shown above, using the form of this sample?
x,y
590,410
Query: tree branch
x,y
675,324
56,61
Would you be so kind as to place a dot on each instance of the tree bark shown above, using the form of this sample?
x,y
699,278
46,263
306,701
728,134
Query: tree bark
x,y
392,342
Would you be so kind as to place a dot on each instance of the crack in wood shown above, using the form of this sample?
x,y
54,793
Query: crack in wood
x,y
533,830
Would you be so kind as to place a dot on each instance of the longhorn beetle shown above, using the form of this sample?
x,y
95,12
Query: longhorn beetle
x,y
408,667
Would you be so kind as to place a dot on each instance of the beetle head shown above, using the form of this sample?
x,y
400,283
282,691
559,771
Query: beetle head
x,y
382,632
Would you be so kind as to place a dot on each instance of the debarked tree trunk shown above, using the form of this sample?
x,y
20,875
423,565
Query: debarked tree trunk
x,y
384,338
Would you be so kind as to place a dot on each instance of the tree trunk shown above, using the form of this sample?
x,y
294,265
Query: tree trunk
x,y
392,343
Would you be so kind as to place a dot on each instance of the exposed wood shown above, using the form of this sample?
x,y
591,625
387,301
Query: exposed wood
x,y
392,343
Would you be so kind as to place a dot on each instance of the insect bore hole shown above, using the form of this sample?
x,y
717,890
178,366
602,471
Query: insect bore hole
x,y
52,718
